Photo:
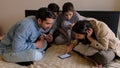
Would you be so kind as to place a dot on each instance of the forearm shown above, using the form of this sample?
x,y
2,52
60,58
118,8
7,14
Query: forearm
x,y
63,32
19,46
73,43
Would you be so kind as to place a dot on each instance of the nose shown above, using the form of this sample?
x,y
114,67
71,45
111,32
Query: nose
x,y
68,17
49,26
76,37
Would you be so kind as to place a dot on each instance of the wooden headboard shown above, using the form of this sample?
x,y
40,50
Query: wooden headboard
x,y
111,18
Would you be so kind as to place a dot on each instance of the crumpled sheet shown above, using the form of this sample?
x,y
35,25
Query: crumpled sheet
x,y
51,60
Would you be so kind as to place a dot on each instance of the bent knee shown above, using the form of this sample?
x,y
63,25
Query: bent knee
x,y
104,57
36,55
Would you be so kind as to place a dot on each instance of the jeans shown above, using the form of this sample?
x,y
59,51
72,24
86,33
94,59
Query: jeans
x,y
24,56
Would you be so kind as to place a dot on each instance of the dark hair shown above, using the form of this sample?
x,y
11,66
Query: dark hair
x,y
81,26
44,13
68,6
53,7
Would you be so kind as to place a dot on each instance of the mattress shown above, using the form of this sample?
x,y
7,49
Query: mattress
x,y
51,60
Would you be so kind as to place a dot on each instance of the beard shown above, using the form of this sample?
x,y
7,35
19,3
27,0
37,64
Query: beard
x,y
84,41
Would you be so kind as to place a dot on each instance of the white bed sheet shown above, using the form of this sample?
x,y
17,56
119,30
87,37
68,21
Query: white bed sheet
x,y
51,60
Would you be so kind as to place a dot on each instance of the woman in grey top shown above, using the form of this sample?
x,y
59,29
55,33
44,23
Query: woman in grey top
x,y
65,21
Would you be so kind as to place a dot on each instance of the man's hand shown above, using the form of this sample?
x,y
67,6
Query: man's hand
x,y
40,42
49,38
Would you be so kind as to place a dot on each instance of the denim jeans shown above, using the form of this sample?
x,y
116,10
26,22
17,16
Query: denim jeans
x,y
24,56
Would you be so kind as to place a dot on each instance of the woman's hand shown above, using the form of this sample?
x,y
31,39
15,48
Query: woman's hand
x,y
89,34
71,25
69,48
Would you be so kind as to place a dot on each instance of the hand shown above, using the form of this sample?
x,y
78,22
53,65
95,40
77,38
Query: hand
x,y
69,48
89,32
71,25
49,38
40,42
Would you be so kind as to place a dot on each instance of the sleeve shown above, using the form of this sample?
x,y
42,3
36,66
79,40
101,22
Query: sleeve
x,y
74,42
102,42
21,39
80,17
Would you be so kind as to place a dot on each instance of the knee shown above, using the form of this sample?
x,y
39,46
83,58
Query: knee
x,y
59,40
104,57
37,55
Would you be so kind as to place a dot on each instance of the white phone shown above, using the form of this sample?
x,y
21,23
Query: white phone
x,y
63,56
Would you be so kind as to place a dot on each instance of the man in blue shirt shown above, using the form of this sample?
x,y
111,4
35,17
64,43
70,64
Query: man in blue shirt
x,y
26,40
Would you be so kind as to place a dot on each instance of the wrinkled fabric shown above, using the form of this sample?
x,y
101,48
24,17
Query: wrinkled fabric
x,y
19,41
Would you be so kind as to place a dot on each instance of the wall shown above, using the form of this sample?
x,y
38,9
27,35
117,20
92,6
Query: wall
x,y
12,11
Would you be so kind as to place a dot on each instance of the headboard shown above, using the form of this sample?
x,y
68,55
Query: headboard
x,y
111,18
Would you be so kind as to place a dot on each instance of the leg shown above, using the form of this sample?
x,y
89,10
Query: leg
x,y
103,57
93,61
60,40
25,56
89,59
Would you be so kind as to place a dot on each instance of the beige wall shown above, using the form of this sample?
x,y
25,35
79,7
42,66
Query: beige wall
x,y
12,11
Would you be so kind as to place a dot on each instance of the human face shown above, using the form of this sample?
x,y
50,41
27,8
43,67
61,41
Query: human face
x,y
79,36
56,14
46,24
68,15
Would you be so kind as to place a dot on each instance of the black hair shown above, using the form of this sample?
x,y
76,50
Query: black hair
x,y
44,13
81,27
68,6
53,7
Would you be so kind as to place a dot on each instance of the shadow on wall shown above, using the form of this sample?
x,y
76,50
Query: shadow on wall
x,y
117,8
117,5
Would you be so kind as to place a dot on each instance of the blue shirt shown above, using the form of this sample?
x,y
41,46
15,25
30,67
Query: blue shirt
x,y
22,35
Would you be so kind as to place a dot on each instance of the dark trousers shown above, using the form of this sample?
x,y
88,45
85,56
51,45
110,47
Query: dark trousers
x,y
102,57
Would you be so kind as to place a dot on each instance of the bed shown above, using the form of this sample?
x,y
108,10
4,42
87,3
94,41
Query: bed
x,y
51,59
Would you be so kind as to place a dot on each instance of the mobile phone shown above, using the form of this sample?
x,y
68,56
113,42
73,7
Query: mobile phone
x,y
63,56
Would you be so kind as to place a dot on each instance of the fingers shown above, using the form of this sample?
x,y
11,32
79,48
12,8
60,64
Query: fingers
x,y
68,49
49,38
89,32
41,37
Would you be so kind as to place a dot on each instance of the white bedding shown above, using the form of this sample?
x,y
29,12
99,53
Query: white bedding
x,y
51,60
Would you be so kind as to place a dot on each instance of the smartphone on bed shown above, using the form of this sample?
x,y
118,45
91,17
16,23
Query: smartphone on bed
x,y
63,56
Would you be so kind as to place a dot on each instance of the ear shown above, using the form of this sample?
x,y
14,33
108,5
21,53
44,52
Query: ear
x,y
39,21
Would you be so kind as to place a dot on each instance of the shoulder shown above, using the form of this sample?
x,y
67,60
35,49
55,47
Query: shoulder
x,y
25,25
78,16
28,21
101,28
